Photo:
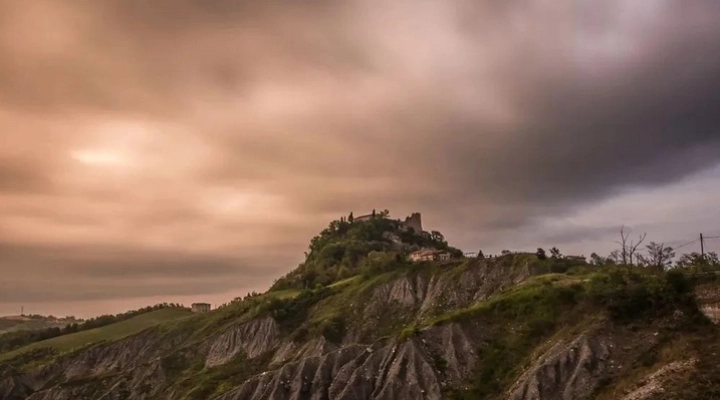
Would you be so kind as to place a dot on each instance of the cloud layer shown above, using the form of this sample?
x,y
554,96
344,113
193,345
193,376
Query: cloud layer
x,y
147,145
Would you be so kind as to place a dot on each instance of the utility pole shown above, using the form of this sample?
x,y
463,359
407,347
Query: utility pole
x,y
702,246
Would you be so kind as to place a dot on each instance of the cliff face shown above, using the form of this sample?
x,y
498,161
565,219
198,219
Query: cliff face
x,y
251,338
455,320
569,370
448,291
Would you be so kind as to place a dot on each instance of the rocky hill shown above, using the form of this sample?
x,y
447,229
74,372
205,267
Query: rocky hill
x,y
358,321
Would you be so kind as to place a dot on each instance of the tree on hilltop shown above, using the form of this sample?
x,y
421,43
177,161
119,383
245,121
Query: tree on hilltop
x,y
437,237
659,256
697,260
555,253
540,253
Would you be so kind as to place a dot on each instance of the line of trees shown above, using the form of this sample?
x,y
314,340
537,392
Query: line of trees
x,y
14,340
634,252
653,255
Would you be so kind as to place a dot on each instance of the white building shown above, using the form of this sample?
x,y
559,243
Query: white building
x,y
201,307
429,255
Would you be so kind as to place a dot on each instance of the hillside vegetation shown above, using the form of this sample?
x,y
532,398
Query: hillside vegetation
x,y
346,248
105,333
357,320
42,328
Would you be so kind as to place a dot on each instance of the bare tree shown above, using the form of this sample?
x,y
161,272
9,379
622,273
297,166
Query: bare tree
x,y
628,247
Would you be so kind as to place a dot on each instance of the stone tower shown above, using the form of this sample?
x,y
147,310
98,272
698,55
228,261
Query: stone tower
x,y
414,221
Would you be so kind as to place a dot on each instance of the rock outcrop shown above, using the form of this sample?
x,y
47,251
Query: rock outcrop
x,y
252,338
569,370
13,389
653,384
447,291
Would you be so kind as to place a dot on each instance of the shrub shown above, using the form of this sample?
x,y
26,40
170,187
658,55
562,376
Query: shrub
x,y
629,294
334,329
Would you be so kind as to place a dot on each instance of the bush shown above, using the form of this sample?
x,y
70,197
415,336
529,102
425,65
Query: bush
x,y
334,329
629,294
379,262
292,312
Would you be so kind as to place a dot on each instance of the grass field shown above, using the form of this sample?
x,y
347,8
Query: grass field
x,y
106,333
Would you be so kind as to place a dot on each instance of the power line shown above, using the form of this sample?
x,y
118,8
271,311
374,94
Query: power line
x,y
687,244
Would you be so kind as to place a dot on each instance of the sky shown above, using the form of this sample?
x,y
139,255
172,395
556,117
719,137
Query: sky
x,y
180,151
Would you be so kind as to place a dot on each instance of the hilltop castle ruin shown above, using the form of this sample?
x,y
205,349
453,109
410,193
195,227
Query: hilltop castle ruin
x,y
414,221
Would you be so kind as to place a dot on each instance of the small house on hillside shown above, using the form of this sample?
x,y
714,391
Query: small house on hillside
x,y
200,307
429,255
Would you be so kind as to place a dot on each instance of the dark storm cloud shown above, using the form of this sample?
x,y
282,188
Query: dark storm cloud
x,y
233,129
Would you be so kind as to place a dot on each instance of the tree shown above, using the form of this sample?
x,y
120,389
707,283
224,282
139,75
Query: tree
x,y
596,260
437,237
540,253
628,248
659,256
480,254
505,252
614,257
351,218
696,260
378,262
555,253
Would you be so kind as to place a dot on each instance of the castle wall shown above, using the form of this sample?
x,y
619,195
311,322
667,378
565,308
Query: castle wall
x,y
414,221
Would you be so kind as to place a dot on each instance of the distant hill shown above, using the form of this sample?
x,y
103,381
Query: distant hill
x,y
32,322
106,333
16,338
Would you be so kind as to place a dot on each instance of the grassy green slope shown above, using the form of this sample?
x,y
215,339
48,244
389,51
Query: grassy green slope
x,y
107,333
